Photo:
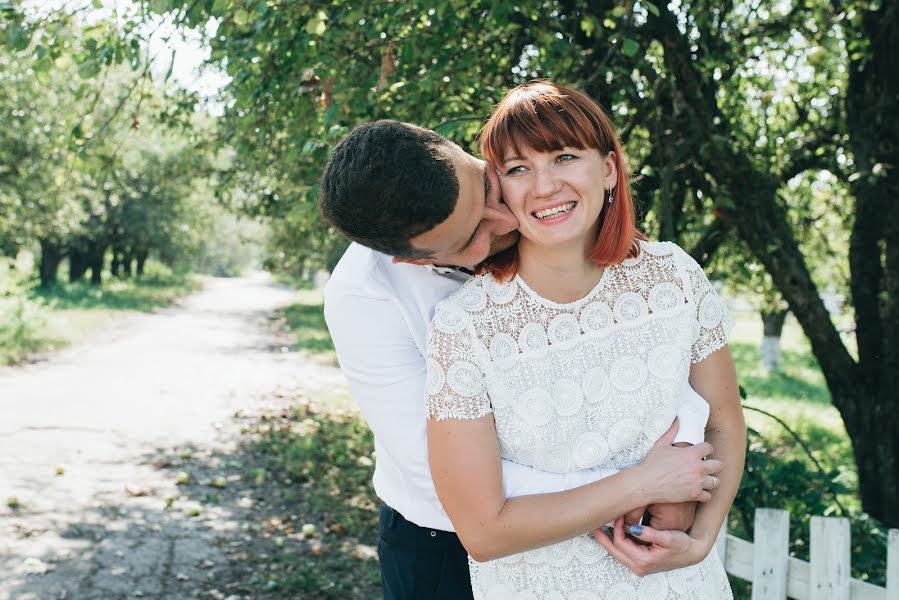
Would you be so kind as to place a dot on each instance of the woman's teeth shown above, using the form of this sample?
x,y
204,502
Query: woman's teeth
x,y
554,211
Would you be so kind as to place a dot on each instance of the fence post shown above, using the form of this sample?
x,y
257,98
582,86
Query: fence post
x,y
770,554
830,559
893,565
721,543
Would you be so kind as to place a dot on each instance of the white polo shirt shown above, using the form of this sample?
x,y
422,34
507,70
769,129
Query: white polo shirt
x,y
378,314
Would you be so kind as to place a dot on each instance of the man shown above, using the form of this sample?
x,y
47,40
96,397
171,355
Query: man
x,y
422,212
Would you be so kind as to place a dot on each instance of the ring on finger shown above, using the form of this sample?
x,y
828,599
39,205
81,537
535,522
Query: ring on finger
x,y
715,483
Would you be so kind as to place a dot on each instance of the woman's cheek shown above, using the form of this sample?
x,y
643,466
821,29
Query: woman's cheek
x,y
514,197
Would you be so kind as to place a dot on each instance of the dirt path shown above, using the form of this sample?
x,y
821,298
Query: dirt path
x,y
117,414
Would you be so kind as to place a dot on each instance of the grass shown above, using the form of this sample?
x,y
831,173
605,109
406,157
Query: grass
x,y
327,452
306,320
797,394
34,319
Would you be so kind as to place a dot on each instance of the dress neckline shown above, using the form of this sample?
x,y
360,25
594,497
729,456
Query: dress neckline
x,y
565,305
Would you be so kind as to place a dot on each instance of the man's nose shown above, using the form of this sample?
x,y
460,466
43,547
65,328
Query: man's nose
x,y
502,219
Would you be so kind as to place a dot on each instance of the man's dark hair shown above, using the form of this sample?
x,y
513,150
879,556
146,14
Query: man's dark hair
x,y
387,182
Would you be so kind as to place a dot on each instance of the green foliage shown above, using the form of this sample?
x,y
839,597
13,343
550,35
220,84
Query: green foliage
x,y
777,475
90,163
21,317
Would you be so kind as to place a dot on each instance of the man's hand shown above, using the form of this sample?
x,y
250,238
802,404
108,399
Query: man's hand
x,y
664,550
677,517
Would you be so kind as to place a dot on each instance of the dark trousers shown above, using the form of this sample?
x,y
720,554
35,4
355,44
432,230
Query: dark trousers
x,y
418,563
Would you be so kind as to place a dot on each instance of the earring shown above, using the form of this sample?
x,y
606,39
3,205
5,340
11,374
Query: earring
x,y
610,195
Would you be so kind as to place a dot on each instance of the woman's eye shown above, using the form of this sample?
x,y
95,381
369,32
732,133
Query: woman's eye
x,y
566,157
515,170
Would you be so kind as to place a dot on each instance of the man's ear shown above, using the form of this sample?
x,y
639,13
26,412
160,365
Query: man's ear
x,y
413,261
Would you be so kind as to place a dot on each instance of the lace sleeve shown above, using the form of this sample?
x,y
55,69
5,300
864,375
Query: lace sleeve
x,y
713,323
455,384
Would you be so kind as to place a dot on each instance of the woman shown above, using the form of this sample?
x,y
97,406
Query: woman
x,y
573,351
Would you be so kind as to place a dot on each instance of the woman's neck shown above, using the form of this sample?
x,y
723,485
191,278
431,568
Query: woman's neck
x,y
562,275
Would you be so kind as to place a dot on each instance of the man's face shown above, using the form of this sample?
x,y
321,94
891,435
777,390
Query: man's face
x,y
481,224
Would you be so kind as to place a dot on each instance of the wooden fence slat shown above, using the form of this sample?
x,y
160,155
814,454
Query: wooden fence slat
x,y
798,583
721,542
771,552
862,590
893,565
830,559
739,558
827,577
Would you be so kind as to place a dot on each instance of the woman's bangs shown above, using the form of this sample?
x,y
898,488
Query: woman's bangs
x,y
542,128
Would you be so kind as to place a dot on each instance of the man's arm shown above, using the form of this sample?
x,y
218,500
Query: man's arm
x,y
386,372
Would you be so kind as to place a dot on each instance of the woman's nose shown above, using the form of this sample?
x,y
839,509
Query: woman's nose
x,y
545,183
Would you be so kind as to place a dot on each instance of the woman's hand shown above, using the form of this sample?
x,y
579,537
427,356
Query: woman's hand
x,y
672,475
660,550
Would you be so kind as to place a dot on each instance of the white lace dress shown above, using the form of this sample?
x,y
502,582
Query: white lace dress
x,y
592,383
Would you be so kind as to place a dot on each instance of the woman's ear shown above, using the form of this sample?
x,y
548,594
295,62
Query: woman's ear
x,y
611,165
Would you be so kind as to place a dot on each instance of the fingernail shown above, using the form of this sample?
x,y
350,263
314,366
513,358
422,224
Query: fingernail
x,y
635,529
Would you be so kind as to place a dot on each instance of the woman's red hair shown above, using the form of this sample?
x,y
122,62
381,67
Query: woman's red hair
x,y
547,117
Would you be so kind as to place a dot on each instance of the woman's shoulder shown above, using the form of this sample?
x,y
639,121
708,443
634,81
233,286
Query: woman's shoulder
x,y
651,250
479,292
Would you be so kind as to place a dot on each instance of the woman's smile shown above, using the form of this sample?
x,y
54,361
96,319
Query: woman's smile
x,y
554,213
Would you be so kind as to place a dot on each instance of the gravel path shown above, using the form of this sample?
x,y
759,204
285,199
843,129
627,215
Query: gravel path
x,y
116,414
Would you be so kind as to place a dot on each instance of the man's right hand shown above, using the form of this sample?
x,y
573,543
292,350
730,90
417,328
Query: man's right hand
x,y
672,475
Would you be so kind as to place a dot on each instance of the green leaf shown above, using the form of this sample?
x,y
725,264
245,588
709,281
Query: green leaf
x,y
588,26
316,25
652,8
241,17
629,47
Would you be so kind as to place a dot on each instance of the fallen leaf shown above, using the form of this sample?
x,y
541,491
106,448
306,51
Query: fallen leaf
x,y
136,491
35,566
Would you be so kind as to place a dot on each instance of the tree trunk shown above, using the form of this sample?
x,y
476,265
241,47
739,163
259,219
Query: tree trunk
x,y
128,264
51,256
77,265
864,393
874,259
141,261
98,254
773,326
115,266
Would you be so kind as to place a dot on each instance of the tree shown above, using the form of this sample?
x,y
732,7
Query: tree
x,y
710,113
101,158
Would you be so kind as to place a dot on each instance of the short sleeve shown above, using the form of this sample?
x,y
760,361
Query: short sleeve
x,y
713,322
455,381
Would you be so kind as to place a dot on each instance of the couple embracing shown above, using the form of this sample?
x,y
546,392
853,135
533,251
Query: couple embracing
x,y
555,409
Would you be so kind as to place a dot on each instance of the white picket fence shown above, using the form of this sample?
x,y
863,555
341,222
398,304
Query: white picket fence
x,y
775,575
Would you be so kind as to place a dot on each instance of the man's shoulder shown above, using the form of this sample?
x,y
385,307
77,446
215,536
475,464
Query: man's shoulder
x,y
371,274
359,272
